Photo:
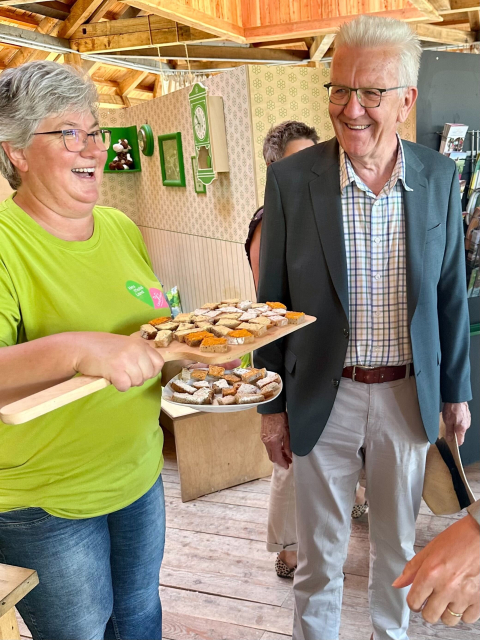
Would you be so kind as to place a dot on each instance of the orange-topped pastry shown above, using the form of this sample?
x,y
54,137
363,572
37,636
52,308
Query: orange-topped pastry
x,y
156,321
295,317
276,305
214,345
195,339
240,336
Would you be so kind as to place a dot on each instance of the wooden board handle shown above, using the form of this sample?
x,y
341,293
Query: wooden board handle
x,y
45,401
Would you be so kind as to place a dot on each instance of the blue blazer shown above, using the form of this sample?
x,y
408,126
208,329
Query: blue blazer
x,y
303,265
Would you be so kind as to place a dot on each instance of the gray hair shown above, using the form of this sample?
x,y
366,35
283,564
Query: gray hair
x,y
35,91
279,136
375,32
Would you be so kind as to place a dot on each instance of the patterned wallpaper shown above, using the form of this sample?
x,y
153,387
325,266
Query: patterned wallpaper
x,y
225,210
281,93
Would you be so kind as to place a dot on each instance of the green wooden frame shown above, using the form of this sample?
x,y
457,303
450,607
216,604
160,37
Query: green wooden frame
x,y
196,181
131,134
169,182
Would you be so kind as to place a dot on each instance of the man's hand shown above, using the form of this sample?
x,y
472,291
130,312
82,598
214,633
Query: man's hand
x,y
457,419
446,573
276,438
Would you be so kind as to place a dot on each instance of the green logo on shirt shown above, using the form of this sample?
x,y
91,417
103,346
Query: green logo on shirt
x,y
139,291
153,297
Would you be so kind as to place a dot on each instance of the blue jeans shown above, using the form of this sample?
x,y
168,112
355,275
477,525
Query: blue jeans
x,y
99,576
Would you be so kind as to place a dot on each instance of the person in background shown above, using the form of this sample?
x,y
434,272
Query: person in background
x,y
81,495
281,141
445,575
365,233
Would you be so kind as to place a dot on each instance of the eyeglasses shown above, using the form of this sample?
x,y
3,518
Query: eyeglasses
x,y
367,98
76,140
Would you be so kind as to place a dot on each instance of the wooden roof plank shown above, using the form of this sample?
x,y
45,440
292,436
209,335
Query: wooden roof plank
x,y
80,12
432,33
131,81
320,46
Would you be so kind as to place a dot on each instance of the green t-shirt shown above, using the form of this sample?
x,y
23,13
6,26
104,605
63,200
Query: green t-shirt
x,y
103,452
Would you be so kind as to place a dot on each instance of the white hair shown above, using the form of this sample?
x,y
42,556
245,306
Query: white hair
x,y
374,32
35,91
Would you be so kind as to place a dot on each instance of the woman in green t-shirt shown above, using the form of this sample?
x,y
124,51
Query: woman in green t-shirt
x,y
81,498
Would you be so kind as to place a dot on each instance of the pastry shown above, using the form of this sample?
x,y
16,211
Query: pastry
x,y
246,304
247,389
185,325
181,335
163,338
199,374
276,305
219,385
227,322
210,306
249,399
231,301
169,326
279,321
228,391
182,387
215,371
147,332
220,331
240,336
156,321
252,375
184,317
226,400
270,390
195,339
214,345
214,313
258,330
231,378
185,374
263,320
203,384
295,317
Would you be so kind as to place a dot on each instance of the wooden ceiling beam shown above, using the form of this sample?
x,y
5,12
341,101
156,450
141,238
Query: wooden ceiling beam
x,y
22,20
428,8
459,6
99,13
474,20
136,33
157,87
222,54
432,33
80,12
133,79
441,5
55,9
47,26
187,15
320,46
306,28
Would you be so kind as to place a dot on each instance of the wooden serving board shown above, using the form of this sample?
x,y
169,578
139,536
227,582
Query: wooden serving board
x,y
81,386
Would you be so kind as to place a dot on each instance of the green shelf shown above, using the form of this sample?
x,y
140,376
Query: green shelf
x,y
130,133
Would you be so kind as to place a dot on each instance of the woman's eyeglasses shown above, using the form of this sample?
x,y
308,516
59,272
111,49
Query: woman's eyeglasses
x,y
367,98
76,140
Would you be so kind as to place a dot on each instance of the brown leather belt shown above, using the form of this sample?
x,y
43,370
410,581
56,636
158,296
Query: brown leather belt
x,y
374,375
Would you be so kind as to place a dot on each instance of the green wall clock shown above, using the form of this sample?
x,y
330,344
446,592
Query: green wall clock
x,y
209,137
145,140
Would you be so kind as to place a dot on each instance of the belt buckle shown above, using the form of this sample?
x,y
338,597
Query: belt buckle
x,y
354,371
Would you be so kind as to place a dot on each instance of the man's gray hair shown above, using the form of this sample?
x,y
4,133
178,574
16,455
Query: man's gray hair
x,y
35,91
375,32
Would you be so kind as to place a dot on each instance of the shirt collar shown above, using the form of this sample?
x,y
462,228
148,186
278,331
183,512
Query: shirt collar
x,y
348,175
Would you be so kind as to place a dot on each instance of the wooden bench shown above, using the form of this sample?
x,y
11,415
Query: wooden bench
x,y
15,583
215,450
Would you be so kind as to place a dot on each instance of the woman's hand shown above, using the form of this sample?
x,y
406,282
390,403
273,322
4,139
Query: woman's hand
x,y
126,361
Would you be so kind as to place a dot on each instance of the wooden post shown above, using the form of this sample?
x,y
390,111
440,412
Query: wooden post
x,y
9,626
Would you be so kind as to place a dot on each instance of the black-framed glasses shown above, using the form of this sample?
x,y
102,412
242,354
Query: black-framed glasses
x,y
76,140
368,98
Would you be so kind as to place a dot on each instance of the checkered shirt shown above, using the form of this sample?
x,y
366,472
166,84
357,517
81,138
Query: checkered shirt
x,y
374,229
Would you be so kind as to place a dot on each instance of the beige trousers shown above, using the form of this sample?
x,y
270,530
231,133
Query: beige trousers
x,y
281,527
377,426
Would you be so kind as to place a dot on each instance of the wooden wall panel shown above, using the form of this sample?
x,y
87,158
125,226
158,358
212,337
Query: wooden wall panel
x,y
204,269
266,13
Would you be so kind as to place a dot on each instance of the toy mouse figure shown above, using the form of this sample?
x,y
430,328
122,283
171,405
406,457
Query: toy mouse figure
x,y
123,160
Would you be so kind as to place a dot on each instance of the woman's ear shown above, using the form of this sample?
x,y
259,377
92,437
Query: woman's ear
x,y
16,157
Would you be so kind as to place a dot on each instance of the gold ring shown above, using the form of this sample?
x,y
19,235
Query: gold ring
x,y
457,615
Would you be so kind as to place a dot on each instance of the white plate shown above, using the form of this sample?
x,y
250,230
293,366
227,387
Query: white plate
x,y
210,408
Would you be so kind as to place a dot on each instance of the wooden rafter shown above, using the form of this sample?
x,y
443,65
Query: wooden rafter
x,y
474,20
320,46
80,13
157,87
427,8
54,9
459,6
432,33
99,13
192,17
133,79
48,26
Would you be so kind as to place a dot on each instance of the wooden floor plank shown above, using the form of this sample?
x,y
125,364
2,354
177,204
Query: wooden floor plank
x,y
187,627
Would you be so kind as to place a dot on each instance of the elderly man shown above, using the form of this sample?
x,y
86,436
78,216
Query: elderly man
x,y
365,233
